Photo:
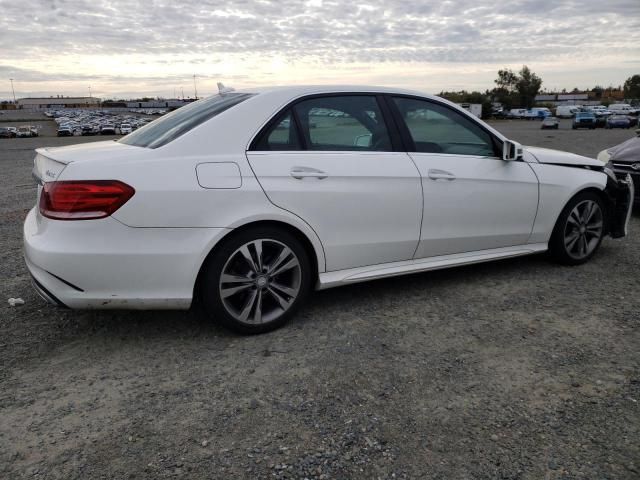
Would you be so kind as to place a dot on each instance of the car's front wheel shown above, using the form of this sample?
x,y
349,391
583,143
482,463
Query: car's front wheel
x,y
579,229
256,281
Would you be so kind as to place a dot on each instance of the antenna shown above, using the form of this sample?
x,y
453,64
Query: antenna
x,y
223,89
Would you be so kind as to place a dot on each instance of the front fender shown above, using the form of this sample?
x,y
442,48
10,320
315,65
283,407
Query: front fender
x,y
557,185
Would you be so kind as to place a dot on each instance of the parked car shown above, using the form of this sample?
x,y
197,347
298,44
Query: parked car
x,y
125,128
550,123
623,109
566,111
65,131
5,132
14,130
537,113
108,129
624,159
584,120
26,131
214,202
618,121
88,130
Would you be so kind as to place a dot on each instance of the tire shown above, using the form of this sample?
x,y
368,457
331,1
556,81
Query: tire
x,y
574,240
254,299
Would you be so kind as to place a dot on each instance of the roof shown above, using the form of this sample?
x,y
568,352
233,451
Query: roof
x,y
297,90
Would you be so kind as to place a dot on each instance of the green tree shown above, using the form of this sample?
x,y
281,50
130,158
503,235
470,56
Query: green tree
x,y
516,89
528,85
598,91
632,87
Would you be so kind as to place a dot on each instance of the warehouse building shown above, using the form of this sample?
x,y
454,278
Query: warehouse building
x,y
58,102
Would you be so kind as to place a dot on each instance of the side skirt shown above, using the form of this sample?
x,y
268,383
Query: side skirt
x,y
373,272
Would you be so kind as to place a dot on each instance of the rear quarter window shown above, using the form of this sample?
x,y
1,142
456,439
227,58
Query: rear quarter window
x,y
177,123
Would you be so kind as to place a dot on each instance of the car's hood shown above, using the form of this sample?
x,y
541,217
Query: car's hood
x,y
557,157
628,151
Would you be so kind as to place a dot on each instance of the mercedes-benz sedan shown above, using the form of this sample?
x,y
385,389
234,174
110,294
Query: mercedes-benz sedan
x,y
246,201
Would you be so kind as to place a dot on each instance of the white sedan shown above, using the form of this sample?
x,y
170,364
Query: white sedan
x,y
245,201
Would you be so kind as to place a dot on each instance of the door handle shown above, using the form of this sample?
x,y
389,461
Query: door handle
x,y
303,172
435,174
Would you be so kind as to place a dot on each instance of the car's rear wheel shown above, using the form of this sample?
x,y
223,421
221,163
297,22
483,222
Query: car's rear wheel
x,y
256,281
579,230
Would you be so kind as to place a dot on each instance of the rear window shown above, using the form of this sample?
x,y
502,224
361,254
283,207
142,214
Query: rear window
x,y
177,123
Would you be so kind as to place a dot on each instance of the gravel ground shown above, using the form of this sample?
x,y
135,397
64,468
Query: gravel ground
x,y
519,369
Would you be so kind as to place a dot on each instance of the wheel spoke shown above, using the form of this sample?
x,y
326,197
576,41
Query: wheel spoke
x,y
594,208
586,211
227,292
283,302
230,278
571,241
594,226
574,217
289,291
583,244
246,254
244,314
257,316
284,254
258,246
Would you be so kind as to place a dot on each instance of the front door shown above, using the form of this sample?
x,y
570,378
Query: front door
x,y
473,200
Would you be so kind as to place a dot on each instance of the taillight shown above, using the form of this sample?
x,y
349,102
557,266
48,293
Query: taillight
x,y
83,200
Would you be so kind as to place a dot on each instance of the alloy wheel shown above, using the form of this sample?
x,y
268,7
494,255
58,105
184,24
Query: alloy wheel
x,y
583,229
260,281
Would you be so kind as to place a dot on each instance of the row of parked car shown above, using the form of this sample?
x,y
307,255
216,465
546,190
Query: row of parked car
x,y
95,122
23,131
591,121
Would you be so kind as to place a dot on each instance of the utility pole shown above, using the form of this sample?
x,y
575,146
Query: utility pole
x,y
13,91
195,90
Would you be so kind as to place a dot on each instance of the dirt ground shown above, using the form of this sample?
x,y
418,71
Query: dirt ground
x,y
520,369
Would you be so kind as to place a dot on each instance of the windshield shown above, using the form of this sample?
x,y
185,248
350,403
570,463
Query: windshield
x,y
177,123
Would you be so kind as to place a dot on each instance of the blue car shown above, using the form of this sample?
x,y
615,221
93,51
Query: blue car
x,y
584,120
618,121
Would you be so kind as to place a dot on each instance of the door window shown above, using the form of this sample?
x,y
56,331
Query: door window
x,y
436,128
282,135
349,122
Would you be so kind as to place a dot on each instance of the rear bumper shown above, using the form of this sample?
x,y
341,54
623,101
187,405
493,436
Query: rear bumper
x,y
105,264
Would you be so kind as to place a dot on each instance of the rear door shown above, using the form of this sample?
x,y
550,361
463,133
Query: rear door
x,y
330,160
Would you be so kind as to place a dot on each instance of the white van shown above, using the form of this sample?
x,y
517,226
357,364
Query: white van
x,y
517,112
622,109
567,111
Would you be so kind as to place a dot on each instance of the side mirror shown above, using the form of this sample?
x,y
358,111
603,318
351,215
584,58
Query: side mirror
x,y
363,140
511,151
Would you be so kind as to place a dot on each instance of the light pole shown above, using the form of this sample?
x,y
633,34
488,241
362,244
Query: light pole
x,y
89,91
195,90
13,91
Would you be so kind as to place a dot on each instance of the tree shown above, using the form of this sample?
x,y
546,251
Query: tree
x,y
506,80
632,87
516,89
598,91
528,85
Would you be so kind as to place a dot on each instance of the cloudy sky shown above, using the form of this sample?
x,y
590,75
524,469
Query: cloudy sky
x,y
154,47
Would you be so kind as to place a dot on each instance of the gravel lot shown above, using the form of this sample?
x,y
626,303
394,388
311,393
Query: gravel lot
x,y
519,369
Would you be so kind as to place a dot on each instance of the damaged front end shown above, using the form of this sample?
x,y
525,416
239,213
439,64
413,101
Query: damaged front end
x,y
620,194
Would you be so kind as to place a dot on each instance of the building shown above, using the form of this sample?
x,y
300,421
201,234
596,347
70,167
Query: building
x,y
58,102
